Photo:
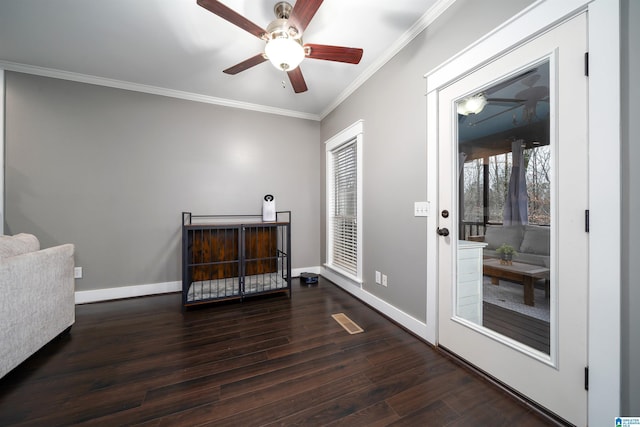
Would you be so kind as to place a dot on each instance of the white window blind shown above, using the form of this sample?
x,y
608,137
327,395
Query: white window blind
x,y
343,208
344,203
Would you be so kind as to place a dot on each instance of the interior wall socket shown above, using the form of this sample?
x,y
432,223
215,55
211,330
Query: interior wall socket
x,y
378,278
384,280
77,273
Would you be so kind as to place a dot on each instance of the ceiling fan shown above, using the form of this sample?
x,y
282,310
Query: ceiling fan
x,y
527,98
283,37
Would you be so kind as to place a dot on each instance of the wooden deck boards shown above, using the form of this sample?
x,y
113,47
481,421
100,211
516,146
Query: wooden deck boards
x,y
530,331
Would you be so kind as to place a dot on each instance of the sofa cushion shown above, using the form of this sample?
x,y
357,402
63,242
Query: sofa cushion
x,y
18,244
536,240
497,235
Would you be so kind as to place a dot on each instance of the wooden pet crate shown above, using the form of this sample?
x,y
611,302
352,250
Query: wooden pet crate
x,y
234,257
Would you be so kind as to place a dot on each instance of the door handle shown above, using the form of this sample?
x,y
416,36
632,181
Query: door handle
x,y
443,231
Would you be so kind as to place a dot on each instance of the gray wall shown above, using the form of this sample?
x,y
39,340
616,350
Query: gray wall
x,y
393,106
630,208
111,171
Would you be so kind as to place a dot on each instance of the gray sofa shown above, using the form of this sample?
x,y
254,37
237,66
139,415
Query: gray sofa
x,y
531,242
37,301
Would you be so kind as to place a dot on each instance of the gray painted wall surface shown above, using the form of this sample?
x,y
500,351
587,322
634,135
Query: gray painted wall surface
x,y
393,106
630,208
111,171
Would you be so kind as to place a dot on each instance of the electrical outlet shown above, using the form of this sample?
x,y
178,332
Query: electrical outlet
x,y
77,273
384,280
378,279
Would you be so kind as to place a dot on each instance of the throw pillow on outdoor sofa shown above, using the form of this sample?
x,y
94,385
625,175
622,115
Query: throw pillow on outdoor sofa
x,y
536,240
497,235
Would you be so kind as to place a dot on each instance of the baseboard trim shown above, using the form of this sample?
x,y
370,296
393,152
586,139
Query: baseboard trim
x,y
295,272
408,322
107,294
98,295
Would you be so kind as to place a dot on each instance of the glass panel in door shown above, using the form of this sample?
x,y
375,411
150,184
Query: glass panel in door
x,y
504,204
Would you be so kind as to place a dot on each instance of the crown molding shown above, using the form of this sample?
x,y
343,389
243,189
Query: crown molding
x,y
431,15
154,90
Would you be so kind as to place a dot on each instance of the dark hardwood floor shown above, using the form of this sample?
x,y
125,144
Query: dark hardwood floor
x,y
268,361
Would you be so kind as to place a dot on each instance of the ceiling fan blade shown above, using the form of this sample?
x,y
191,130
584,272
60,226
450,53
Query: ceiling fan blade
x,y
506,101
232,16
246,64
509,81
302,13
350,55
297,81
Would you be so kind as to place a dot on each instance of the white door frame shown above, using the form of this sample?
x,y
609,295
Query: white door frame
x,y
604,339
2,148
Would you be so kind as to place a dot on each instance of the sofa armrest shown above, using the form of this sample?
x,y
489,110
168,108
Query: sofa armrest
x,y
38,301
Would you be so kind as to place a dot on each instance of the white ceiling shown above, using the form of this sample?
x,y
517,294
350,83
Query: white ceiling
x,y
177,47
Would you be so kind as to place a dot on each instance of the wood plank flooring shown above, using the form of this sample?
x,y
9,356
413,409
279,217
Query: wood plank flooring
x,y
268,361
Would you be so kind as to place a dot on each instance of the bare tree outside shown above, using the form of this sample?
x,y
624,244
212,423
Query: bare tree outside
x,y
538,176
472,180
539,185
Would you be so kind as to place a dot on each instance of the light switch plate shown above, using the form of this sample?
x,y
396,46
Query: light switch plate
x,y
421,209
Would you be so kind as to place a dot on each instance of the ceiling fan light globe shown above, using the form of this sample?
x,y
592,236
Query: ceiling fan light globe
x,y
284,53
472,105
462,108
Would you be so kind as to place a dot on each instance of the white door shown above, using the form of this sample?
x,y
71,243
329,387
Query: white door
x,y
512,159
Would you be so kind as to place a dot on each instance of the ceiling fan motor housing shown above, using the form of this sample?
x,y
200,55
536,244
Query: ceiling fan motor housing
x,y
281,28
282,10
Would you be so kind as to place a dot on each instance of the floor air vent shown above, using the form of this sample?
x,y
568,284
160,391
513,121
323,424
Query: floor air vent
x,y
348,324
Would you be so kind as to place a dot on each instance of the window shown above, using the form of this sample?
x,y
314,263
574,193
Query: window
x,y
344,202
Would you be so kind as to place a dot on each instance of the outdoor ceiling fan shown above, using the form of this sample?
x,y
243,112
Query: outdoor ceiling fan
x,y
283,37
528,98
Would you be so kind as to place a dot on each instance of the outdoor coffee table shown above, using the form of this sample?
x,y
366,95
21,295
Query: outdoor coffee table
x,y
525,274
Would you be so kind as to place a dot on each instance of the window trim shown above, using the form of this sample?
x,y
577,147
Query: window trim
x,y
352,134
